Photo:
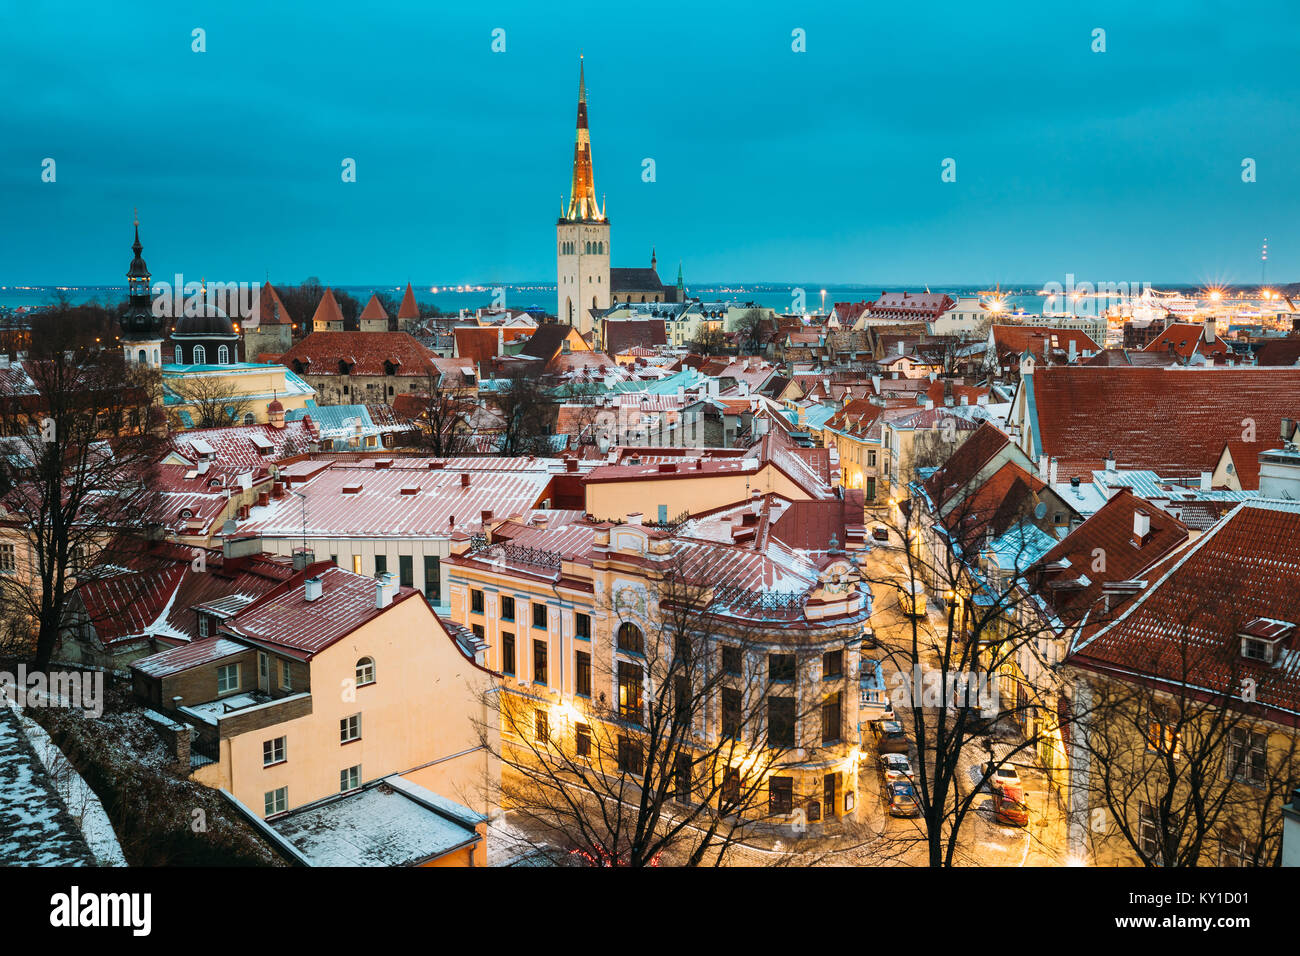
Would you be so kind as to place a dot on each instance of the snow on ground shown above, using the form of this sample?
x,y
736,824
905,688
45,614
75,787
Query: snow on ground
x,y
35,826
80,800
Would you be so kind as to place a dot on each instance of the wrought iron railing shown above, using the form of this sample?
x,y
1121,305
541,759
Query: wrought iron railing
x,y
515,553
746,599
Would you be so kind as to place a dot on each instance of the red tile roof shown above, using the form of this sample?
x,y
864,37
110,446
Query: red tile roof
x,y
961,468
1185,339
1069,577
374,309
328,310
1174,421
365,353
270,309
1184,629
624,334
409,309
285,619
927,304
1017,339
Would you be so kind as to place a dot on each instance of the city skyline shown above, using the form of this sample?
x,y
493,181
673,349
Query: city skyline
x,y
771,165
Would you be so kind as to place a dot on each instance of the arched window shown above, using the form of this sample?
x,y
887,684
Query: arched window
x,y
223,356
198,355
630,638
365,671
142,358
249,419
180,356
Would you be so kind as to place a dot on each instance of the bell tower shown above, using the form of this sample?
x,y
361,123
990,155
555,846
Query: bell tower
x,y
141,330
582,235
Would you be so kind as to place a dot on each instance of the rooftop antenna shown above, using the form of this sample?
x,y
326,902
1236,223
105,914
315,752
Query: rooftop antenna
x,y
1263,264
300,495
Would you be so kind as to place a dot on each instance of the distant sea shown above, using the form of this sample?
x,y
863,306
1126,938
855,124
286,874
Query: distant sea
x,y
779,296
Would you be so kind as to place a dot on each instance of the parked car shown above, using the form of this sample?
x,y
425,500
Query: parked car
x,y
900,799
1009,807
890,738
895,767
880,533
1002,777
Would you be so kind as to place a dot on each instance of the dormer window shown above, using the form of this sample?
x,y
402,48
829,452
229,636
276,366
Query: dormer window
x,y
1261,637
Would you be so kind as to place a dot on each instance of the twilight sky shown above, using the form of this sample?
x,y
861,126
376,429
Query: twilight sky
x,y
771,165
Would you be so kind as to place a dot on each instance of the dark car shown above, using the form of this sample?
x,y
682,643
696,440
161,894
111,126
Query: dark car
x,y
900,799
890,738
880,533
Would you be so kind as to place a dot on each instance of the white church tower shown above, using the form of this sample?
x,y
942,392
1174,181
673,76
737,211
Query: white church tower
x,y
582,236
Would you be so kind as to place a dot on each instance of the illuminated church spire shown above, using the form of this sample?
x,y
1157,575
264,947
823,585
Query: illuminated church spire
x,y
582,194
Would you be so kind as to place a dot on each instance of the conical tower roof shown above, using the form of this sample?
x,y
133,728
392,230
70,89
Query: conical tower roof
x,y
410,309
374,309
328,310
582,193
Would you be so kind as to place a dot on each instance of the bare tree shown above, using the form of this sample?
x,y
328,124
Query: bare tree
x,y
443,417
1179,763
749,324
213,401
946,672
674,771
526,411
79,489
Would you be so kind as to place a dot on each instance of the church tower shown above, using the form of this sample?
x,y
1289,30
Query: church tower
x,y
142,331
582,235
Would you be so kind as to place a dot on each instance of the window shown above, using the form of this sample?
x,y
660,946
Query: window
x,y
1149,833
381,564
629,755
350,779
731,657
539,616
263,668
541,727
1247,757
475,602
406,570
479,633
682,778
539,662
682,648
227,678
682,699
198,355
582,626
831,719
730,712
582,738
273,751
277,801
286,678
780,668
830,787
780,721
1235,850
1161,737
832,664
365,671
507,653
582,674
630,638
203,624
223,356
729,795
780,792
629,692
432,578
507,608
350,729
356,564
871,459
180,356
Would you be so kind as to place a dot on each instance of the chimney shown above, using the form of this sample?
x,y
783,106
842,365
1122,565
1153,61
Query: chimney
x,y
1141,527
1110,461
634,517
1051,472
1211,330
464,479
384,590
1042,467
486,516
900,348
1071,353
1206,478
1287,429
312,589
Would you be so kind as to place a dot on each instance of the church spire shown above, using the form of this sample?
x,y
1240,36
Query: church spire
x,y
582,194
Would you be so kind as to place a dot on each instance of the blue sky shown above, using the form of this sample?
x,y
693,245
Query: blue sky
x,y
771,165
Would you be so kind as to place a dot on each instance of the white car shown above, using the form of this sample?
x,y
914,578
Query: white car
x,y
895,767
1004,776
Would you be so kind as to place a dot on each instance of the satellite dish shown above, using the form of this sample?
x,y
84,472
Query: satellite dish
x,y
1040,510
